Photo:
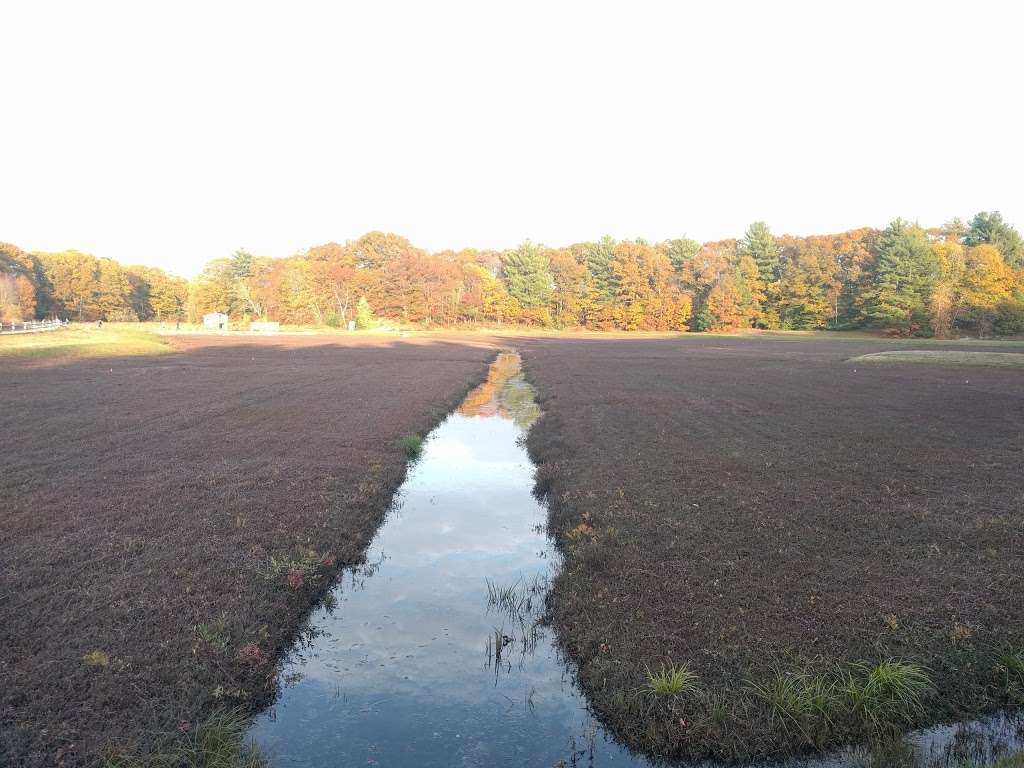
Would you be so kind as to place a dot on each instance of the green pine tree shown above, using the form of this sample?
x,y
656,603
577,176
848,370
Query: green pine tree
x,y
901,282
990,228
528,275
681,251
598,258
759,244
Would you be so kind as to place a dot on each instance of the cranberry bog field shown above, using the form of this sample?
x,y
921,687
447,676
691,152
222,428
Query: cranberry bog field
x,y
168,520
771,547
768,545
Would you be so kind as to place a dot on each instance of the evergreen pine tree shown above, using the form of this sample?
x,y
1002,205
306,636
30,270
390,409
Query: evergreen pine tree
x,y
904,276
598,259
528,275
759,244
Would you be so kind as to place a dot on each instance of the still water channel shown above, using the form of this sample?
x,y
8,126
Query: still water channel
x,y
432,653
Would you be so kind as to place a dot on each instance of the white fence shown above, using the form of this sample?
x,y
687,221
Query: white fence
x,y
32,326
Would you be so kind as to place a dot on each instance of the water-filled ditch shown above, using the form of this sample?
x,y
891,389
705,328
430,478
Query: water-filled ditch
x,y
434,654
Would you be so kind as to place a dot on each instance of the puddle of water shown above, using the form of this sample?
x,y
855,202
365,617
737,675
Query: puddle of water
x,y
975,744
433,655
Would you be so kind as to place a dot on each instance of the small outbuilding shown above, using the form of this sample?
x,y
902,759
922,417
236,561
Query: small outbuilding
x,y
215,321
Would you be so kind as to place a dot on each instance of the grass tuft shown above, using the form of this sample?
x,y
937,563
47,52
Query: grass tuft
x,y
1013,663
887,695
99,659
1011,666
218,742
672,680
411,445
214,633
800,705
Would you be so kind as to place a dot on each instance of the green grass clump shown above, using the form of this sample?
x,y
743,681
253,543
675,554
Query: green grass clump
x,y
800,704
887,695
812,709
411,445
672,680
1013,663
218,742
1011,668
214,633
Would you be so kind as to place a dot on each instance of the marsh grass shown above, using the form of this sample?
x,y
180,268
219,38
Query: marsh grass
x,y
217,742
298,570
215,634
1010,668
1012,663
885,696
800,705
812,710
411,445
715,708
513,598
672,681
520,600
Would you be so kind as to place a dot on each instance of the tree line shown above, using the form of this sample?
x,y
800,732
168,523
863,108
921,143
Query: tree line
x,y
904,278
79,286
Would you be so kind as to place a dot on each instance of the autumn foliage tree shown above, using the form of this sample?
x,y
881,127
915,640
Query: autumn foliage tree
x,y
646,294
572,283
17,290
987,283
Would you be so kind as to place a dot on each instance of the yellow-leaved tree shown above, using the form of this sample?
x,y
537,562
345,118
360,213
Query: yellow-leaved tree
x,y
987,282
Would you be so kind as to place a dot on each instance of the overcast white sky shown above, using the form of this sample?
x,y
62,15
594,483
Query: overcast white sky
x,y
173,133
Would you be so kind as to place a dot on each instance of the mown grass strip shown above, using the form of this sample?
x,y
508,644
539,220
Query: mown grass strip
x,y
945,357
84,341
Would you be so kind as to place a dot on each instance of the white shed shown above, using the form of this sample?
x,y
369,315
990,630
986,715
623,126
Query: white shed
x,y
215,321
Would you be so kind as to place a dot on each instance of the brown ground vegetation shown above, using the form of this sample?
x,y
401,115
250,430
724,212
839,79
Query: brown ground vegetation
x,y
747,505
731,503
168,521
